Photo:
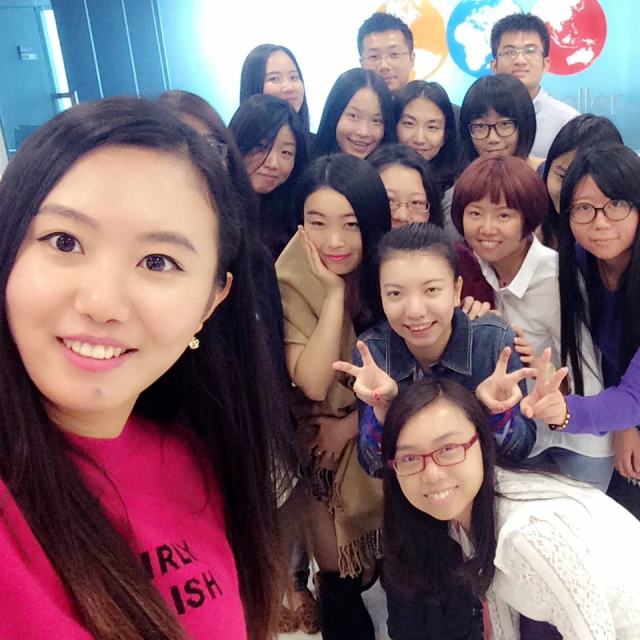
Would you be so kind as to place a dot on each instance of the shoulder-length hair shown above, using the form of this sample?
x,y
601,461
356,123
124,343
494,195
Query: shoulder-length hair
x,y
254,70
615,170
400,154
420,556
509,98
255,126
496,176
360,184
584,131
208,391
344,88
446,163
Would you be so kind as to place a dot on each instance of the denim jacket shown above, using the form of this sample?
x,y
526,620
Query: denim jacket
x,y
470,358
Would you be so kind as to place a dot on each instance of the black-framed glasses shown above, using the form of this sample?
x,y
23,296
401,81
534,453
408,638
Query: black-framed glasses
x,y
614,210
446,456
504,128
222,149
511,53
393,56
415,206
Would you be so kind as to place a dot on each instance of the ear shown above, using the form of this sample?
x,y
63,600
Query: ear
x,y
457,291
412,57
493,65
546,63
216,300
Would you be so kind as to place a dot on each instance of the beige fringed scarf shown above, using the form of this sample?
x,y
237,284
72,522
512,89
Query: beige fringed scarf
x,y
356,498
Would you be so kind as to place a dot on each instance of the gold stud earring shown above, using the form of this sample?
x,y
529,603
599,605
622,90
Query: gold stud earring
x,y
194,343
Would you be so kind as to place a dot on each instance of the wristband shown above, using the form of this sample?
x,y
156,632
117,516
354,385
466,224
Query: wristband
x,y
560,427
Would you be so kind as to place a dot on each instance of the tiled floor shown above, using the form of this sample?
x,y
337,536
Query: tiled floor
x,y
377,605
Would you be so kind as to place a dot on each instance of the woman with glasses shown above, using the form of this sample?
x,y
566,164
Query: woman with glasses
x,y
273,145
425,334
524,543
497,118
357,116
414,197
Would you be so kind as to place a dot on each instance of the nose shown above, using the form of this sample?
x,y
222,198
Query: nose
x,y
271,161
416,307
102,295
336,240
487,226
520,57
420,135
601,221
493,135
432,472
401,215
287,86
363,128
384,63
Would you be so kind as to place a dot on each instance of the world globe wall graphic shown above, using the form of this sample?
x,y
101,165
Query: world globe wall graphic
x,y
577,30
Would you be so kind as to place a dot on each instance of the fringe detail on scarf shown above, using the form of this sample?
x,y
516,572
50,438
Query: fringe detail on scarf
x,y
359,555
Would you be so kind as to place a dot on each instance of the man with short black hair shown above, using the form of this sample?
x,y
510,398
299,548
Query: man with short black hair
x,y
385,45
520,47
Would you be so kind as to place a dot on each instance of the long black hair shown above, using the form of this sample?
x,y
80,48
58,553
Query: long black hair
x,y
400,154
254,70
344,88
582,132
255,126
211,391
446,163
360,184
509,98
615,170
420,556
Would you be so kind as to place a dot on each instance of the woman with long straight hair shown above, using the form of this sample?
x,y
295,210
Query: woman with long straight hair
x,y
459,518
138,452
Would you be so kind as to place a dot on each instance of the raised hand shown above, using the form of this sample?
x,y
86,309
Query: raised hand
x,y
524,349
500,391
330,281
474,308
546,401
373,386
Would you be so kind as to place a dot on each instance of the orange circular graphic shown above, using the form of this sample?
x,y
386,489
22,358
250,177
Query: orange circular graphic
x,y
429,34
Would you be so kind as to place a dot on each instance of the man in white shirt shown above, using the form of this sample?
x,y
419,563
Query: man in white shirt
x,y
520,47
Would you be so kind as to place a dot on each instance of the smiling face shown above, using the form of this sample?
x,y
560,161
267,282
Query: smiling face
x,y
444,493
493,231
387,54
282,80
495,144
556,175
404,185
421,127
605,239
360,128
419,296
110,284
268,169
332,227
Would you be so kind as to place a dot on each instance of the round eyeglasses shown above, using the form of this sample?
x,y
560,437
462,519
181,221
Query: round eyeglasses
x,y
614,210
446,456
415,206
503,128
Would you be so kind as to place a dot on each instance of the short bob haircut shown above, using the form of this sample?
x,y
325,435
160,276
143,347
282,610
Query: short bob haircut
x,y
380,22
615,170
447,162
344,88
509,98
400,154
494,177
582,132
255,126
526,22
420,556
254,71
360,184
419,237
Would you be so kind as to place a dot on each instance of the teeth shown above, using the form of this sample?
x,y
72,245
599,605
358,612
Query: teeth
x,y
442,495
489,243
98,352
422,327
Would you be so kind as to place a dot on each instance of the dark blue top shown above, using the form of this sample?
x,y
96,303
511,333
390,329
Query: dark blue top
x,y
469,358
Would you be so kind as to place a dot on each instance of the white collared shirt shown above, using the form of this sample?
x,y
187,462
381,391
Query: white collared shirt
x,y
551,116
531,301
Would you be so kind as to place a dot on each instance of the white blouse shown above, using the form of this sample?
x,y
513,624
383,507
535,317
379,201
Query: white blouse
x,y
566,554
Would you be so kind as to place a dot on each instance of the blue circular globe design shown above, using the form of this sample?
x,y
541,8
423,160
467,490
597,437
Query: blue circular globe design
x,y
469,31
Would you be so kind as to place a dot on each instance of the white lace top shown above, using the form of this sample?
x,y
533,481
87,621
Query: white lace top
x,y
566,554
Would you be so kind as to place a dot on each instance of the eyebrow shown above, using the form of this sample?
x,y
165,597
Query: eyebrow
x,y
431,281
323,215
288,144
438,440
71,214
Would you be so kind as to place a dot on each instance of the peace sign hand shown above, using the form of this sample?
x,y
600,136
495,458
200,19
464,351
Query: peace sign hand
x,y
330,281
373,386
546,401
500,391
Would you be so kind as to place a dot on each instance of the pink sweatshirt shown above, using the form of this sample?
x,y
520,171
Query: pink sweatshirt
x,y
179,538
